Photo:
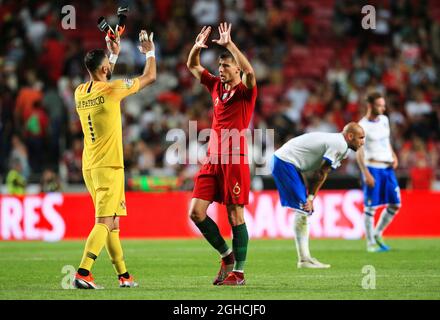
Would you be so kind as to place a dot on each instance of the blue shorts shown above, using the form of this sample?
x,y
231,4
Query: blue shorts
x,y
290,184
386,188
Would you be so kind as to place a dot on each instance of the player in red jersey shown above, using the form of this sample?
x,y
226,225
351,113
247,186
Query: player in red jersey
x,y
224,176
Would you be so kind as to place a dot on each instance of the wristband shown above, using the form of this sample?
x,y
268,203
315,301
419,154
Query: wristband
x,y
150,54
113,58
310,197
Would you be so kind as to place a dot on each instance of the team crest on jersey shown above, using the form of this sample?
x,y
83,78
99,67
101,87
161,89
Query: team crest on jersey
x,y
227,95
128,83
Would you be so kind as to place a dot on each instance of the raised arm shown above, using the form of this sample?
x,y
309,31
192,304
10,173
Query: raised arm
x,y
114,47
225,40
147,47
193,62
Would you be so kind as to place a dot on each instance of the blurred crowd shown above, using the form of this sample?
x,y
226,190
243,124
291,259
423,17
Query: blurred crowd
x,y
313,60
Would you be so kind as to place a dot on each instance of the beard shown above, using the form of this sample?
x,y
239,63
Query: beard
x,y
353,147
108,75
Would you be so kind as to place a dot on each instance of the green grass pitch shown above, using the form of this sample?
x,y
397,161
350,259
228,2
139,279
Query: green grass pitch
x,y
184,269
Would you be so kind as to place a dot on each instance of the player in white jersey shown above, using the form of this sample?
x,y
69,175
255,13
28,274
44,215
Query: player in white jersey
x,y
377,162
319,152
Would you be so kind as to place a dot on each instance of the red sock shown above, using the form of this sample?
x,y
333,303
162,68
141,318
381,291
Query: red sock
x,y
229,259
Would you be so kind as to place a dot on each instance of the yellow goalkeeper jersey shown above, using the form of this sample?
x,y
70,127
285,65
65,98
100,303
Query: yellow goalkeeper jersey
x,y
99,110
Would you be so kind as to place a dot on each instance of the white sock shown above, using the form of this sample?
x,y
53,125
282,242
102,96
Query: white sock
x,y
301,227
227,253
369,226
386,217
234,270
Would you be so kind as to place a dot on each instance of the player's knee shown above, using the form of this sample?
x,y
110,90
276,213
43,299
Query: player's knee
x,y
197,215
393,208
115,223
235,215
108,221
236,221
369,211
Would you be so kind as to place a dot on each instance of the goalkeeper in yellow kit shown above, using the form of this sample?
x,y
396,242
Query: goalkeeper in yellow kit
x,y
98,106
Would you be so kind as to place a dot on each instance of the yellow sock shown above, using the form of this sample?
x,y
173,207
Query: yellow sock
x,y
95,243
114,249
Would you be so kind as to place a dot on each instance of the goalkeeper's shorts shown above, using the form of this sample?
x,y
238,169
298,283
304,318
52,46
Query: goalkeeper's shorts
x,y
106,186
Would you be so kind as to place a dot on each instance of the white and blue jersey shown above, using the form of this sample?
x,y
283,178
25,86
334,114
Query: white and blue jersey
x,y
379,160
301,154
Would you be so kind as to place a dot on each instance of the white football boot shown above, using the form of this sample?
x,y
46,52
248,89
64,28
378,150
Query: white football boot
x,y
312,263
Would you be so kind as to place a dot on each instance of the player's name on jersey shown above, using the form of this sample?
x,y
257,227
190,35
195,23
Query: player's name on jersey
x,y
90,102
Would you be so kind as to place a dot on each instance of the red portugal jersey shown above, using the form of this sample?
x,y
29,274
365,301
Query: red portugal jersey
x,y
232,114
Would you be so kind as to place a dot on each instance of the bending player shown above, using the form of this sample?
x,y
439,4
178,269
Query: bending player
x,y
318,152
225,176
377,162
98,106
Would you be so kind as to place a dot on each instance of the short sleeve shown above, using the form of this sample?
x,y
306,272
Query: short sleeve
x,y
208,80
334,155
250,94
386,120
122,88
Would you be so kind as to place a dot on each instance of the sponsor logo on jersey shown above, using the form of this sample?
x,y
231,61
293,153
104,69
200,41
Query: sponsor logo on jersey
x,y
128,83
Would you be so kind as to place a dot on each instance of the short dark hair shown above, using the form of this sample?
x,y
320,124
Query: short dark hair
x,y
226,55
372,97
93,59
